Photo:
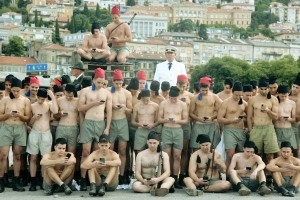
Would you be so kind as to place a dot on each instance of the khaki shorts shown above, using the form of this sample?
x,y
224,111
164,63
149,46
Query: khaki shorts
x,y
172,137
208,129
234,138
118,129
109,188
70,133
286,134
253,185
39,142
141,137
13,135
91,130
120,49
286,183
186,131
264,138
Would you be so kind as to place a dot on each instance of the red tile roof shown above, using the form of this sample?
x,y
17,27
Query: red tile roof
x,y
8,26
57,47
16,60
12,13
152,7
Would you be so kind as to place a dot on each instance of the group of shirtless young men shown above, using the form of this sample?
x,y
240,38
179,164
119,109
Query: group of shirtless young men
x,y
97,117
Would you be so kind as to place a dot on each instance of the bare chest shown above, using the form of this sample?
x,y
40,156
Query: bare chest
x,y
95,42
205,102
118,97
70,106
93,96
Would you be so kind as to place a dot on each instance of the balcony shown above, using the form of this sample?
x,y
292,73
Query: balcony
x,y
272,53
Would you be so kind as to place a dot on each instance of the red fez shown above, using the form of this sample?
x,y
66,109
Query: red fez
x,y
182,77
57,82
142,75
115,10
117,75
99,73
35,80
205,80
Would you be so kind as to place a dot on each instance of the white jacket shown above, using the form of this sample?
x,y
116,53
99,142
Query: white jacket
x,y
162,72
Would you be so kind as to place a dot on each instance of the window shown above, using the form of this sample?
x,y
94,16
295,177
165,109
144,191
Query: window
x,y
52,58
12,68
20,69
242,16
5,68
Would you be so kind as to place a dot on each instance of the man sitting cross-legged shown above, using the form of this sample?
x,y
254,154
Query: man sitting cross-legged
x,y
198,163
286,171
146,164
246,171
59,168
102,166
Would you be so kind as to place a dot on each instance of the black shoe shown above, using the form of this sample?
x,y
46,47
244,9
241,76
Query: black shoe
x,y
126,177
68,190
24,178
180,180
101,60
121,180
6,181
177,185
16,185
102,190
2,188
32,185
292,191
93,189
83,185
84,59
172,189
283,191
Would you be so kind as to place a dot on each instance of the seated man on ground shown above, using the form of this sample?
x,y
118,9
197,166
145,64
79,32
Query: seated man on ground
x,y
148,167
285,171
103,166
196,183
59,168
94,46
247,171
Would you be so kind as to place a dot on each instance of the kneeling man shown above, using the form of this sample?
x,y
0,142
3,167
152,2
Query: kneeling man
x,y
285,171
246,171
59,168
148,167
196,182
102,166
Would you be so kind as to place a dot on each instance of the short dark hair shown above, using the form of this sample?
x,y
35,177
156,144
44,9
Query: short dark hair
x,y
60,141
203,85
196,87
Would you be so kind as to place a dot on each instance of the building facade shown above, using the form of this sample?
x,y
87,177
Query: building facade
x,y
15,64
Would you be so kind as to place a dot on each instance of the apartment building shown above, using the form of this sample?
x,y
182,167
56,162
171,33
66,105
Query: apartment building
x,y
10,18
286,13
15,64
158,2
244,6
146,25
8,31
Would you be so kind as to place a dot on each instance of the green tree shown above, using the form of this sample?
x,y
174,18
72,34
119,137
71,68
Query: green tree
x,y
202,32
73,28
98,11
85,10
41,22
130,3
218,5
194,1
15,46
77,2
57,34
184,25
146,3
36,19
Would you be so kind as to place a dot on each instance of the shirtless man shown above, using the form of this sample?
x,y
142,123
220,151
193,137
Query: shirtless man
x,y
34,86
202,110
59,168
2,90
102,166
118,37
94,46
147,161
231,114
295,96
196,183
40,138
15,111
247,92
7,82
93,102
154,94
227,92
184,96
142,77
286,116
286,171
247,171
121,105
173,114
25,85
262,109
68,113
165,89
254,84
273,85
145,118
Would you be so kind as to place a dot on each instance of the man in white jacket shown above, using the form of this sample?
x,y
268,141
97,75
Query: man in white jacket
x,y
170,69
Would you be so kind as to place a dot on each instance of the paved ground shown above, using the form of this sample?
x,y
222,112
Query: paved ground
x,y
128,194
